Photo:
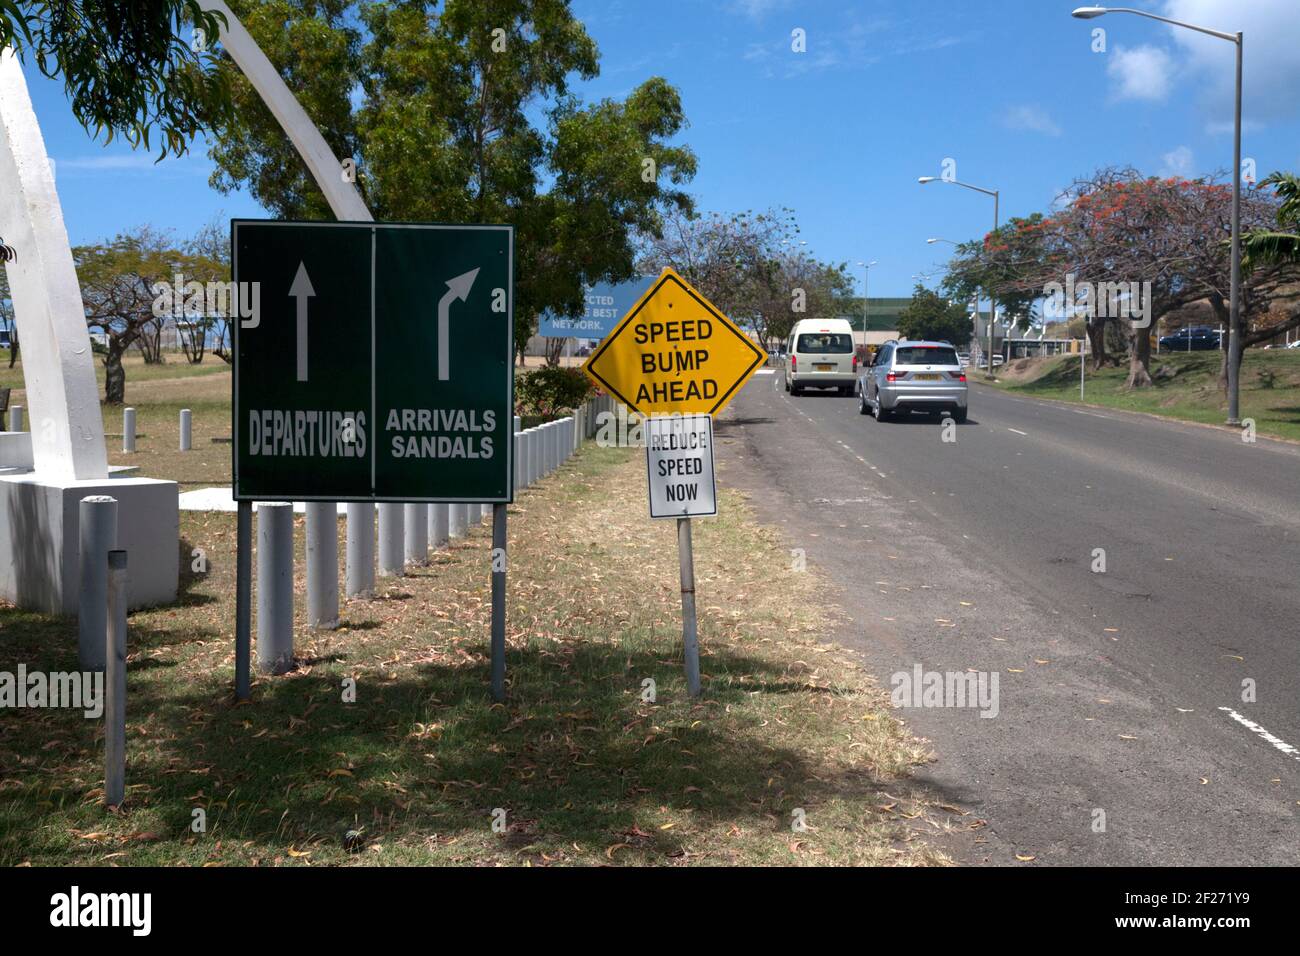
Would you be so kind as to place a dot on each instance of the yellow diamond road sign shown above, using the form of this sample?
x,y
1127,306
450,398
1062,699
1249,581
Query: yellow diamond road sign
x,y
674,352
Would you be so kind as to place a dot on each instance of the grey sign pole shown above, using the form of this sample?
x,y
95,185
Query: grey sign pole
x,y
690,639
243,599
115,684
498,602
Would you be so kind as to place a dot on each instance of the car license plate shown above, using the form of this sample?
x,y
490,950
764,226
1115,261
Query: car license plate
x,y
926,378
823,368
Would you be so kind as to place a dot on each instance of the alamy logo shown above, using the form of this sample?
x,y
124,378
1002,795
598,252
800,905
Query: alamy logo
x,y
1106,300
73,909
922,688
37,689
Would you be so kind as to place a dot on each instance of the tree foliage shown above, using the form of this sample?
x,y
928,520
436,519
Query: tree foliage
x,y
126,67
1117,228
751,266
932,316
117,289
466,115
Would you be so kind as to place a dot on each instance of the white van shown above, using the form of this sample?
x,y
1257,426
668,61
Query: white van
x,y
819,354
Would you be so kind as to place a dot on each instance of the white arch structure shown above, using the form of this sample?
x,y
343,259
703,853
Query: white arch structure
x,y
44,474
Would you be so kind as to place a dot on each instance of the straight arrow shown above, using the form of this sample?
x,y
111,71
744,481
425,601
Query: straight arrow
x,y
301,290
457,288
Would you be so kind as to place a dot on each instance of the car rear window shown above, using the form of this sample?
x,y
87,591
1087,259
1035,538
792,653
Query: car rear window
x,y
926,355
824,343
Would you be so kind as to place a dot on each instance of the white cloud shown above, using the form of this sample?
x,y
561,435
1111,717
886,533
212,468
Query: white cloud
x,y
1271,59
1031,118
1140,73
757,9
1178,162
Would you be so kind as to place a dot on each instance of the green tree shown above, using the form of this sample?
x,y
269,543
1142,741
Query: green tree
x,y
467,116
931,316
125,66
117,289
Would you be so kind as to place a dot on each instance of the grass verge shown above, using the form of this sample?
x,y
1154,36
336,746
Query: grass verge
x,y
1186,387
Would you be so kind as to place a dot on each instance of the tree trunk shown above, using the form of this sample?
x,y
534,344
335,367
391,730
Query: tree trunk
x,y
114,377
1096,333
13,350
1139,358
554,349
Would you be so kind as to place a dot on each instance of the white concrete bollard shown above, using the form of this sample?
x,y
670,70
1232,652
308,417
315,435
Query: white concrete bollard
x,y
322,554
185,429
15,418
439,525
97,530
128,430
457,519
417,534
359,573
473,514
392,520
274,587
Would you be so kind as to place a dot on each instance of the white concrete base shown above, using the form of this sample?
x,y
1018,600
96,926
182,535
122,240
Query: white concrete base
x,y
220,499
39,539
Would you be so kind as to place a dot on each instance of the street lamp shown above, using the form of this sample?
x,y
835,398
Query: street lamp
x,y
993,307
866,274
1234,294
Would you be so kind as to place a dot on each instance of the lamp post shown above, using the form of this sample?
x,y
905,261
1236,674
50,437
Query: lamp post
x,y
993,309
1234,294
866,274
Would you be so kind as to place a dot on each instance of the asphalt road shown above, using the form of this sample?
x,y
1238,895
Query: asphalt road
x,y
1119,692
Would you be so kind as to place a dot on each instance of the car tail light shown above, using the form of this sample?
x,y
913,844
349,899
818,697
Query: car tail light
x,y
893,376
959,376
794,362
855,363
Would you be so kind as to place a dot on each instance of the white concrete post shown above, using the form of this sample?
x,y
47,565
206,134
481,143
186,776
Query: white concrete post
x,y
185,429
128,430
274,586
473,513
417,534
58,369
115,682
16,418
439,525
392,517
98,534
322,553
360,570
518,453
457,519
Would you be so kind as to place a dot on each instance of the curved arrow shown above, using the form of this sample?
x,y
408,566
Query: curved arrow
x,y
457,288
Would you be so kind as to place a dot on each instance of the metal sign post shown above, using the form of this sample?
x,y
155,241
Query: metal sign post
x,y
690,637
679,471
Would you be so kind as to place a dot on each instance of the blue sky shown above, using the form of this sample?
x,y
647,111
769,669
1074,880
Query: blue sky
x,y
1011,90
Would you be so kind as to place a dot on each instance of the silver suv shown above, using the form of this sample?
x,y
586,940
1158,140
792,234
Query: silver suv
x,y
913,376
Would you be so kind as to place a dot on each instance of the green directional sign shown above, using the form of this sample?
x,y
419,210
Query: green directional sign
x,y
373,361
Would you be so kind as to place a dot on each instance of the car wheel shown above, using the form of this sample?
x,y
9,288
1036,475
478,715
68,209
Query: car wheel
x,y
880,413
863,407
796,390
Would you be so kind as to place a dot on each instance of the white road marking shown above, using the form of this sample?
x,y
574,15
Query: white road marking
x,y
1255,728
766,371
1018,432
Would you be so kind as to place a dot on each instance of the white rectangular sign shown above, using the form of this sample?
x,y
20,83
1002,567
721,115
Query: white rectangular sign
x,y
679,466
